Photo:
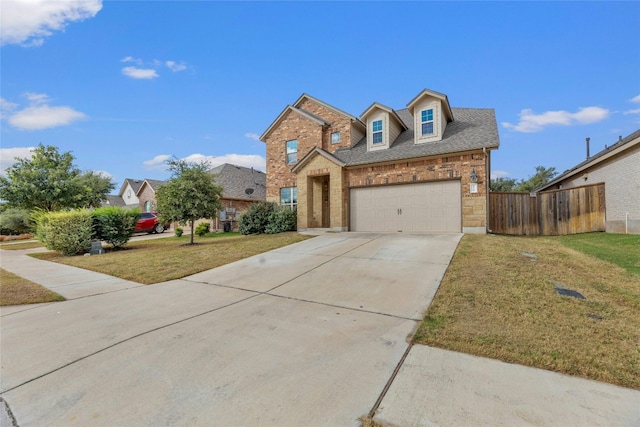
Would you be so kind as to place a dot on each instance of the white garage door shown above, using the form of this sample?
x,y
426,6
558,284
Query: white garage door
x,y
424,207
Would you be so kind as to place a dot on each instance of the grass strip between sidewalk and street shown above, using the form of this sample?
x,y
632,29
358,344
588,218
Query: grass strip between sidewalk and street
x,y
160,260
498,300
16,290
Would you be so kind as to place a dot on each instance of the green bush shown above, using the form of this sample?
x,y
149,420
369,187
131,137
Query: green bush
x,y
179,231
267,217
15,221
115,225
256,218
281,219
66,232
202,229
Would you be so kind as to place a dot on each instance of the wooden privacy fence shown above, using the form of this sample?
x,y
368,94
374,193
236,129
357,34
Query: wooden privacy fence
x,y
566,211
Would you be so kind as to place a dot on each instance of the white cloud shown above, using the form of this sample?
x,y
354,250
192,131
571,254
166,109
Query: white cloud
x,y
103,174
149,69
131,59
635,99
530,122
253,136
634,111
140,73
8,156
39,114
499,174
247,160
6,107
175,67
29,22
157,163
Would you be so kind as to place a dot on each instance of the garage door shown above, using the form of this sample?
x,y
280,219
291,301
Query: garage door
x,y
423,207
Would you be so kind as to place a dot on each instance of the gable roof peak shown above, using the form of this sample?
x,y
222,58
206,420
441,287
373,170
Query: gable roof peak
x,y
324,104
433,94
378,106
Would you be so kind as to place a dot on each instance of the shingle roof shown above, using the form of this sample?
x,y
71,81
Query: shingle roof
x,y
113,200
236,180
155,183
473,129
593,160
133,182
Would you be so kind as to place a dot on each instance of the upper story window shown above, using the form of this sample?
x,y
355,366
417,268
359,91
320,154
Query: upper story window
x,y
289,197
376,127
292,151
426,120
335,137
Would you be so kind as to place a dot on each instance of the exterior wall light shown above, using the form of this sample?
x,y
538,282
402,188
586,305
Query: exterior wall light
x,y
474,176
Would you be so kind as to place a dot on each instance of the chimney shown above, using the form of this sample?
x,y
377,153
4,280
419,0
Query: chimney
x,y
619,138
588,155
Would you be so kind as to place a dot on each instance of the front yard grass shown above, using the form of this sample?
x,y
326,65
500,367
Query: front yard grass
x,y
16,290
16,246
497,300
159,260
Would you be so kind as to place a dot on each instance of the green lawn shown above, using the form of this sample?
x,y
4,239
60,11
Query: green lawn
x,y
619,249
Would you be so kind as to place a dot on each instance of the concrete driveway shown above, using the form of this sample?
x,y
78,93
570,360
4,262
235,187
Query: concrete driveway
x,y
305,335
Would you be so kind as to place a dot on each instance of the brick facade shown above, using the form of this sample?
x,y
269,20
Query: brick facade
x,y
147,194
323,181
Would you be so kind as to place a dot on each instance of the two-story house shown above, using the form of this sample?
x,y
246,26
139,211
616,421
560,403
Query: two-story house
x,y
424,168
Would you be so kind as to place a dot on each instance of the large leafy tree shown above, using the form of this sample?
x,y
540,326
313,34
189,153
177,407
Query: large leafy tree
x,y
189,195
50,181
541,177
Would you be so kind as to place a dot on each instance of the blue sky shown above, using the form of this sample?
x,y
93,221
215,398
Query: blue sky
x,y
124,85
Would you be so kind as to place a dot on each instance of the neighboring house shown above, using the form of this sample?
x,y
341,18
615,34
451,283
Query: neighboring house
x,y
424,168
618,167
241,187
147,194
126,197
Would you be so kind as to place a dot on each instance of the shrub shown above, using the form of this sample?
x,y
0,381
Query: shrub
x,y
256,218
179,231
267,217
202,229
115,225
15,221
66,232
281,219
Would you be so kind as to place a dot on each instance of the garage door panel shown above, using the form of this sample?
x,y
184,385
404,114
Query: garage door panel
x,y
421,207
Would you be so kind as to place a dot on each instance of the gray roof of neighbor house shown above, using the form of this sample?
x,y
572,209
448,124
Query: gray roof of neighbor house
x,y
472,129
155,183
113,200
593,160
133,182
237,181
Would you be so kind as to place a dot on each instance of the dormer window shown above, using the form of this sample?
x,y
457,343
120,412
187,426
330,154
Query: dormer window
x,y
376,128
426,120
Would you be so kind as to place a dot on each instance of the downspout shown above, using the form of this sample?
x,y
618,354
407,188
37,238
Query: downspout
x,y
487,185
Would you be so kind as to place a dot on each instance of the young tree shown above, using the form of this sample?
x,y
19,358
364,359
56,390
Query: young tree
x,y
50,181
190,194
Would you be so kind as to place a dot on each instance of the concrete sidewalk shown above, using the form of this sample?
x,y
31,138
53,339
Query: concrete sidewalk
x,y
308,334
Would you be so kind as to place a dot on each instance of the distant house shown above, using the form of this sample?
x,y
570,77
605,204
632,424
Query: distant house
x,y
147,194
241,187
126,197
618,167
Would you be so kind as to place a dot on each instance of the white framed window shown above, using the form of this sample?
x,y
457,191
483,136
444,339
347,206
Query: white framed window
x,y
335,137
292,151
426,121
289,197
376,129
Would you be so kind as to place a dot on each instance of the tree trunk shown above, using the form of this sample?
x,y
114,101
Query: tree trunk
x,y
191,242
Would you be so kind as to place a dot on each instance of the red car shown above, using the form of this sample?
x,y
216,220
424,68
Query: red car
x,y
148,222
